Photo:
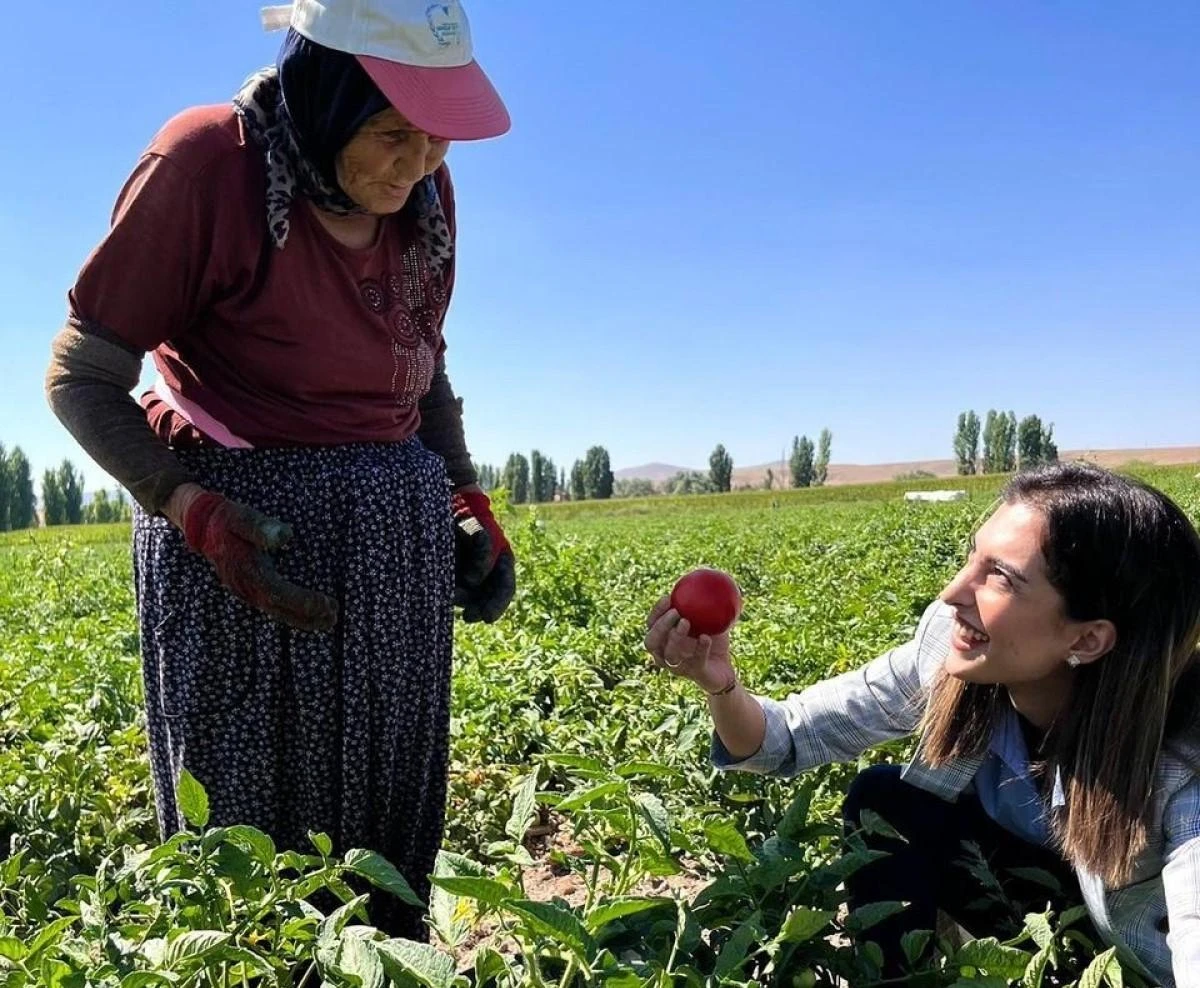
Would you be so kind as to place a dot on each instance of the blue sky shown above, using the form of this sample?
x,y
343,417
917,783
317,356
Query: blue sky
x,y
720,222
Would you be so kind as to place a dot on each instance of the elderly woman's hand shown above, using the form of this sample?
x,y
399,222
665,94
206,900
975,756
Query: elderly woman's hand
x,y
704,660
485,577
237,540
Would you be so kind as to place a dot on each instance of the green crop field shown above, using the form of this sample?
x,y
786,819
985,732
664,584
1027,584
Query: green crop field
x,y
588,842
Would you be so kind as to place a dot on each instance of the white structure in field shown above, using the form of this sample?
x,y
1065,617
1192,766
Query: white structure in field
x,y
935,495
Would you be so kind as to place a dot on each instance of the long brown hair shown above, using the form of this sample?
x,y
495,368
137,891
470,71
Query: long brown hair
x,y
1115,549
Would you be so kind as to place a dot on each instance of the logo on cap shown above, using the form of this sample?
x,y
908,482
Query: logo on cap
x,y
447,31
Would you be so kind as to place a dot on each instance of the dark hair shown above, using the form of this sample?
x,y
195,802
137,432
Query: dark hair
x,y
327,96
1119,550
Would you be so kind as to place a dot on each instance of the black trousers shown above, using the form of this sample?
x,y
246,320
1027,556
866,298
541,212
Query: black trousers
x,y
928,871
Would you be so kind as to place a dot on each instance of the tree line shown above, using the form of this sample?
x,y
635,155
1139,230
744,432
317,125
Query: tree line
x,y
62,496
1008,445
535,479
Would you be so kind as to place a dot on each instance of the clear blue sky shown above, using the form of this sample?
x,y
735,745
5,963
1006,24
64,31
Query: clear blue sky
x,y
720,222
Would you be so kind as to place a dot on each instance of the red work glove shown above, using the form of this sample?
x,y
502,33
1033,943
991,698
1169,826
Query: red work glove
x,y
237,540
485,576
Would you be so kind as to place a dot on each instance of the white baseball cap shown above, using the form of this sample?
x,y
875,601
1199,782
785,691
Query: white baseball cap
x,y
417,52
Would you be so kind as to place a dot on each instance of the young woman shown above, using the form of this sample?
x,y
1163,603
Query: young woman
x,y
288,259
1054,688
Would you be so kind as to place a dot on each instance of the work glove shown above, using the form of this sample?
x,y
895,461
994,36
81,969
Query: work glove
x,y
238,540
485,576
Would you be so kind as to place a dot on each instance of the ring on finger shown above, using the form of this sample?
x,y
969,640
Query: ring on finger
x,y
673,665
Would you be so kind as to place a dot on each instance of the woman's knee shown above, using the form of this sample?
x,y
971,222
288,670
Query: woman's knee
x,y
876,788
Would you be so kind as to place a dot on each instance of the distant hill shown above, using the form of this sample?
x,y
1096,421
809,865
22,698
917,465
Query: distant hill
x,y
873,473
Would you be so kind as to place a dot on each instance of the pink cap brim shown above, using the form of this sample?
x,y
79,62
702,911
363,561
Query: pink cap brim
x,y
458,104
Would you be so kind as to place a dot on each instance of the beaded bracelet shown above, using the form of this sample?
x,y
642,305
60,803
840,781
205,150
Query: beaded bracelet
x,y
733,681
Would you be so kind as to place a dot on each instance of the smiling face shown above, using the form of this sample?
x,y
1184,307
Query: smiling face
x,y
1011,625
385,159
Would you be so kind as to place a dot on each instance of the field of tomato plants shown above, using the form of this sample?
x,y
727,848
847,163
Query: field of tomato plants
x,y
588,841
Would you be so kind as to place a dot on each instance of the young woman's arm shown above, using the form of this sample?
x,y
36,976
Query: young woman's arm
x,y
834,720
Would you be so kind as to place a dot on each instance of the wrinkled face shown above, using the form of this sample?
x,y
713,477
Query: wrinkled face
x,y
1011,625
385,159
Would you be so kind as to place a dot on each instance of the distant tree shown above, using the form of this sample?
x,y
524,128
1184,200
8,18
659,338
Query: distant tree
x,y
562,482
690,482
549,478
1035,443
54,511
913,475
991,452
99,510
537,475
769,482
633,487
966,443
597,474
70,484
1010,443
1049,447
516,478
489,476
578,485
124,508
720,468
802,462
821,465
6,491
22,505
1029,442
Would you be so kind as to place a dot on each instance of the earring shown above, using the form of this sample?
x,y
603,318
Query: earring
x,y
1073,660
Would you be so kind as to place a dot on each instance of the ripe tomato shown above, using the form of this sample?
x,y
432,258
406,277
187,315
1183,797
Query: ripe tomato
x,y
709,599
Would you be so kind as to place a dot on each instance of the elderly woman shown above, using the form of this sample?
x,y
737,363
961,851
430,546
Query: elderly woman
x,y
308,514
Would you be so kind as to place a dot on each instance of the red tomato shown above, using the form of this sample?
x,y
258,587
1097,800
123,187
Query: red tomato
x,y
709,599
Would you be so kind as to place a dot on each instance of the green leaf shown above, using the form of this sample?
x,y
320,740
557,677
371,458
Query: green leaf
x,y
427,964
448,914
1039,876
146,979
914,942
486,890
864,917
650,769
992,957
655,814
192,799
724,838
619,908
1104,967
1035,970
875,824
47,935
332,925
381,873
795,819
490,966
1072,915
356,958
734,952
522,811
194,943
260,846
322,843
585,797
450,863
802,924
551,920
574,761
1037,925
11,948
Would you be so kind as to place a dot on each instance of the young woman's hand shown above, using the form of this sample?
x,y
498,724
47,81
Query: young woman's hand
x,y
704,660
